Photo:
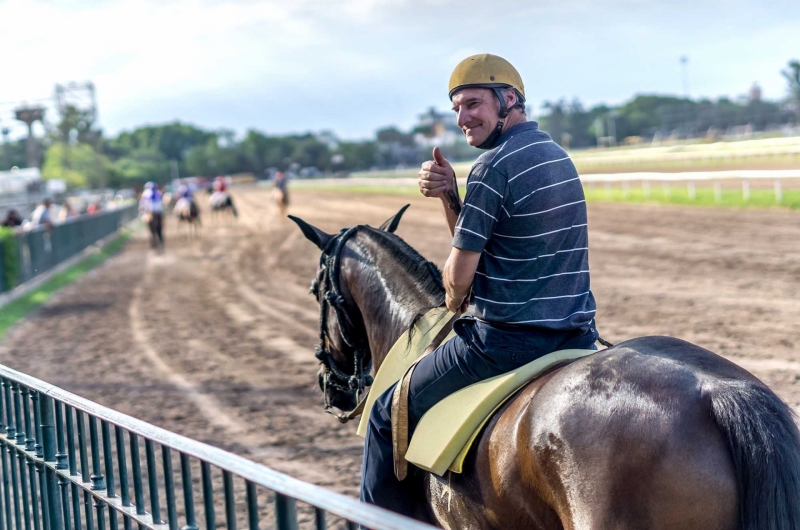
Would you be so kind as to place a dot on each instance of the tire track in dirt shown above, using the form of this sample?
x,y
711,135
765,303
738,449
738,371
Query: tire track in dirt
x,y
275,444
231,314
214,412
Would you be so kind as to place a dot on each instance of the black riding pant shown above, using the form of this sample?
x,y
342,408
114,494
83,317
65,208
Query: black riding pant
x,y
479,351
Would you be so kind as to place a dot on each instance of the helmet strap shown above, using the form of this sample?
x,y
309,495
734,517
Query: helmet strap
x,y
491,140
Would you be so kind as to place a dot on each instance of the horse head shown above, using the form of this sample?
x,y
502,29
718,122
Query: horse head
x,y
344,349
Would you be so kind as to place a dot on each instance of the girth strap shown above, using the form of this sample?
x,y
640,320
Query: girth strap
x,y
400,403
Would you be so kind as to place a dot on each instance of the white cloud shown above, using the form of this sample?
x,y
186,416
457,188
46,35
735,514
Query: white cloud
x,y
357,64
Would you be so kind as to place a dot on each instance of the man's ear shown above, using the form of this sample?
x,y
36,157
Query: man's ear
x,y
510,97
312,233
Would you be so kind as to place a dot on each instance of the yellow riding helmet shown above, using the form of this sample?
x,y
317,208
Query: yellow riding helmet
x,y
485,71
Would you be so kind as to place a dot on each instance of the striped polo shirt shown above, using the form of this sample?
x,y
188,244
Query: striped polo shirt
x,y
525,211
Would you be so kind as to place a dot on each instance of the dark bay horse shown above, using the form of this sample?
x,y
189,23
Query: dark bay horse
x,y
155,223
221,202
654,433
186,211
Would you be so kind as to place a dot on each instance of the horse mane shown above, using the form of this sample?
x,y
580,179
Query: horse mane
x,y
425,273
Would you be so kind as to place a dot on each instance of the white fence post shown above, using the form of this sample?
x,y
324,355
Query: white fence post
x,y
718,192
667,190
778,191
646,189
745,190
691,190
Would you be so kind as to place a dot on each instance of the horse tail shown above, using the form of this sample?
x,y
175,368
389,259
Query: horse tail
x,y
764,443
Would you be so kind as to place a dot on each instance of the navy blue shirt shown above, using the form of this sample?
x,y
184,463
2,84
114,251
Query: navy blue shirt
x,y
525,211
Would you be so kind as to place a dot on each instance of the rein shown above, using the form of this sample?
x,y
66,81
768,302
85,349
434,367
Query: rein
x,y
328,294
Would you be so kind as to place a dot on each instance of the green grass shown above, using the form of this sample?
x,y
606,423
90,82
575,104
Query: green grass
x,y
587,164
677,194
588,167
19,308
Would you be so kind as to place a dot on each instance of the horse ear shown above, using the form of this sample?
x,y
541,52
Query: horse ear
x,y
312,233
390,225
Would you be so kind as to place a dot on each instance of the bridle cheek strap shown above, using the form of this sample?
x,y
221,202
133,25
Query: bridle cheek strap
x,y
329,296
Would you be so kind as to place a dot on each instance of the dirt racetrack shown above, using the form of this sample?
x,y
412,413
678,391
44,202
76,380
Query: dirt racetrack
x,y
215,339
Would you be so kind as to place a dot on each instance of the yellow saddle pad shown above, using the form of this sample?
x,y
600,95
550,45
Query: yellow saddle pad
x,y
402,354
446,432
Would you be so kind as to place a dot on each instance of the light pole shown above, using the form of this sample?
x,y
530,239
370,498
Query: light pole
x,y
612,127
685,82
6,153
685,75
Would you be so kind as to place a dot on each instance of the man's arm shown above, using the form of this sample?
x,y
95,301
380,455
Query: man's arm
x,y
437,179
459,271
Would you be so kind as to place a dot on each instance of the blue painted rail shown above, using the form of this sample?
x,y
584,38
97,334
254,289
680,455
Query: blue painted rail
x,y
39,250
68,463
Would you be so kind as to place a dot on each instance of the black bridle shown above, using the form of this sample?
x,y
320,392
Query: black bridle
x,y
326,290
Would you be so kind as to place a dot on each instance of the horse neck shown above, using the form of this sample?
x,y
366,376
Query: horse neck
x,y
388,293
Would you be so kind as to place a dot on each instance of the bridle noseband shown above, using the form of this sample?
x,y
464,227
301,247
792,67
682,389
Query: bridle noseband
x,y
326,290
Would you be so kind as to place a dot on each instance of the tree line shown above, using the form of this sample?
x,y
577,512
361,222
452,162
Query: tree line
x,y
648,116
79,153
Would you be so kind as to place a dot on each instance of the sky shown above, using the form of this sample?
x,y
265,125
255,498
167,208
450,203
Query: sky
x,y
354,66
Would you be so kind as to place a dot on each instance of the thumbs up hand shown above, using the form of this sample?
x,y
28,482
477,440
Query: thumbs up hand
x,y
436,177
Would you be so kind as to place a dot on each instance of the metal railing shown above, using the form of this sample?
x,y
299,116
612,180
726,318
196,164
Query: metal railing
x,y
41,249
83,459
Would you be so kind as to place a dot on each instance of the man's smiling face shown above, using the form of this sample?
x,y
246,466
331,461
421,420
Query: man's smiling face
x,y
477,110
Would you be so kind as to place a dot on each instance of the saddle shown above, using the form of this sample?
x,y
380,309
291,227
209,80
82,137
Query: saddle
x,y
448,430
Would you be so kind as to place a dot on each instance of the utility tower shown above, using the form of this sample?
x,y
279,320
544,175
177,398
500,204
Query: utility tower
x,y
29,116
78,95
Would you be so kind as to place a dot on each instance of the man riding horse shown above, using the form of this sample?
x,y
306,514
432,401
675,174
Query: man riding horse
x,y
152,209
654,432
220,198
519,260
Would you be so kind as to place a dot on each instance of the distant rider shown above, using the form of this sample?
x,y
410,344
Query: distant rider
x,y
220,191
221,198
282,192
152,207
519,260
186,200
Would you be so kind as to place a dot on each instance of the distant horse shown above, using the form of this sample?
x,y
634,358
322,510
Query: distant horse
x,y
281,198
221,202
653,433
187,212
155,223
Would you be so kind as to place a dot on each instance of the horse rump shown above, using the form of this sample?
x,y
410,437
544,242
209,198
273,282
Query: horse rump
x,y
764,444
